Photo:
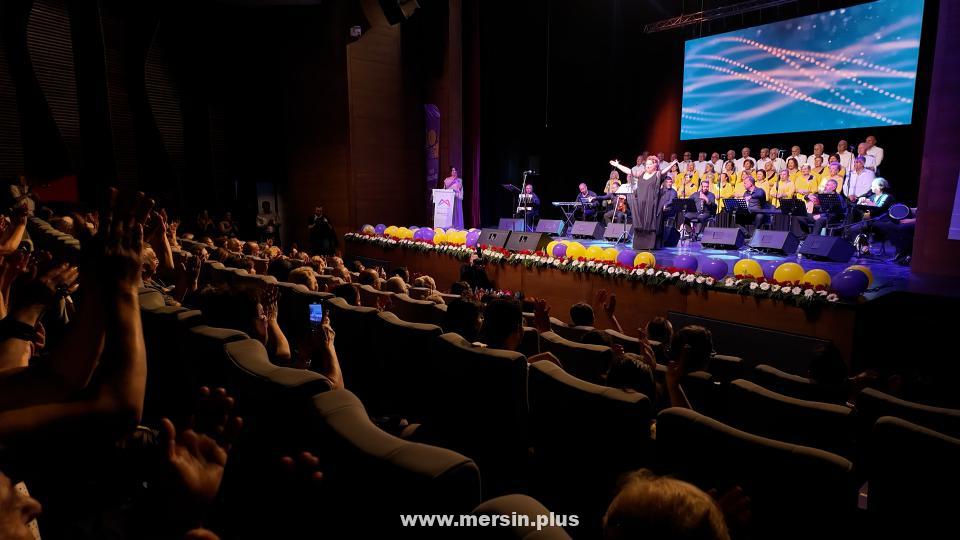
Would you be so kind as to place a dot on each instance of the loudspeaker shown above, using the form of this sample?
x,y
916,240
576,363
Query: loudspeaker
x,y
493,237
779,241
831,248
535,241
510,224
670,237
614,231
722,238
587,229
550,226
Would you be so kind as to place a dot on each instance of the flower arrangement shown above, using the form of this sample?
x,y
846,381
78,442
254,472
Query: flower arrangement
x,y
791,292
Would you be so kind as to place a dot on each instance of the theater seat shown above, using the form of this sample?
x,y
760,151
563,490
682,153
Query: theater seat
x,y
873,404
370,297
476,403
203,349
795,491
567,331
796,386
150,299
757,410
584,436
912,480
587,362
168,375
515,507
389,379
293,306
726,368
421,311
354,327
529,342
253,376
374,477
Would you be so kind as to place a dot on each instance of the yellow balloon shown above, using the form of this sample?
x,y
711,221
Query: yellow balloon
x,y
610,254
549,248
439,236
788,272
645,257
404,232
575,250
816,277
594,252
390,231
461,237
748,267
865,270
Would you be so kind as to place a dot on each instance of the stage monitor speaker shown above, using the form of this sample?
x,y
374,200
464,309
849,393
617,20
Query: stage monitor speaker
x,y
831,248
550,226
614,231
778,241
510,224
587,229
532,242
722,238
494,237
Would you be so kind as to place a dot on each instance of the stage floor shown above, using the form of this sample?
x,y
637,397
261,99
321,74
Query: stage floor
x,y
888,276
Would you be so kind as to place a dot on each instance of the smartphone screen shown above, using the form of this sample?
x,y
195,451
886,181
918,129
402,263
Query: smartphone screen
x,y
316,314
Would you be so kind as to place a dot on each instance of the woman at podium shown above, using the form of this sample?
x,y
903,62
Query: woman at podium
x,y
454,182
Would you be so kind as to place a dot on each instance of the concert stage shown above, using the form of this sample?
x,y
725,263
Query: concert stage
x,y
840,322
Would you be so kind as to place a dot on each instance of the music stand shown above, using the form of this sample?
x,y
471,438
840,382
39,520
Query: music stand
x,y
735,206
793,207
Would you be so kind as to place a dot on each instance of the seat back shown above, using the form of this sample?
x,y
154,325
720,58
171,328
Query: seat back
x,y
755,409
353,325
373,477
509,506
592,433
390,379
796,386
293,307
370,297
567,331
726,368
476,403
203,351
795,491
587,362
913,477
873,404
420,311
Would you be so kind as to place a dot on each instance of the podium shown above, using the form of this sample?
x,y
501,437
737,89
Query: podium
x,y
443,201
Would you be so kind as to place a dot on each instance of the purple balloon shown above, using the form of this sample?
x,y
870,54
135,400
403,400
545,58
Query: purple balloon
x,y
769,267
472,238
715,268
686,262
850,284
560,250
380,228
426,233
626,257
418,234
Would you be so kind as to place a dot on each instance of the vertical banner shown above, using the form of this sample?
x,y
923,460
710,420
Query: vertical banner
x,y
432,147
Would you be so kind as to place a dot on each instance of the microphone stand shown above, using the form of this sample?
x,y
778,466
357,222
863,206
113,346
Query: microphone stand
x,y
523,194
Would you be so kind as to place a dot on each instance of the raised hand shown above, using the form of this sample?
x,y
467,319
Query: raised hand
x,y
269,297
541,315
115,254
32,292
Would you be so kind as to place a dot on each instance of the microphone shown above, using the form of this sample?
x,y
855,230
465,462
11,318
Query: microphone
x,y
530,172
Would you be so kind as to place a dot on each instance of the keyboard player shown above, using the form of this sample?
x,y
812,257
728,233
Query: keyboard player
x,y
588,203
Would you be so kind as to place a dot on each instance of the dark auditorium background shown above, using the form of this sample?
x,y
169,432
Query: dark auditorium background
x,y
199,101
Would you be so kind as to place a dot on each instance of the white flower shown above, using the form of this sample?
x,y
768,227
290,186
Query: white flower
x,y
774,288
701,280
589,263
729,282
710,281
675,274
753,286
764,286
611,270
651,271
822,293
556,262
832,297
550,260
809,292
690,278
797,290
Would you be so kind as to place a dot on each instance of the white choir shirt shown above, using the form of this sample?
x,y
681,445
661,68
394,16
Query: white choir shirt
x,y
877,154
801,160
779,164
762,163
846,160
700,166
870,162
717,166
812,157
858,184
739,163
